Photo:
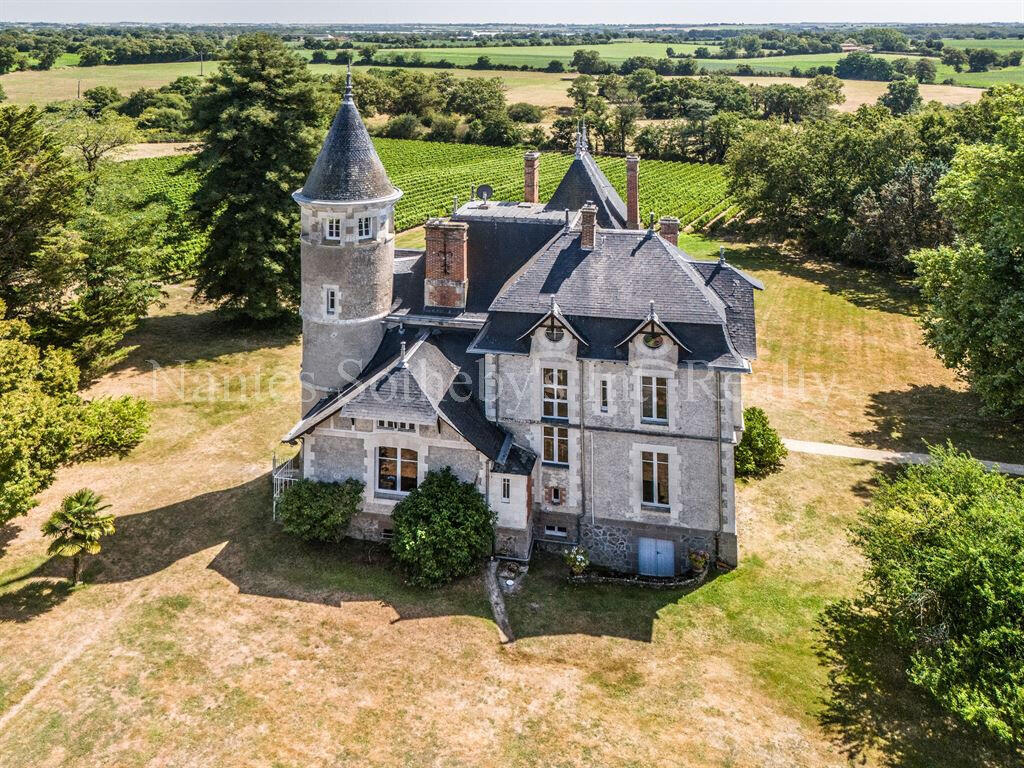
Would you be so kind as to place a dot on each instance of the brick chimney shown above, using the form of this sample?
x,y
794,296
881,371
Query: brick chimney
x,y
588,220
531,177
632,192
445,277
669,226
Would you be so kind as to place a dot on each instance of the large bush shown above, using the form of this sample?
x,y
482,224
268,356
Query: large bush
x,y
442,529
760,451
944,543
320,511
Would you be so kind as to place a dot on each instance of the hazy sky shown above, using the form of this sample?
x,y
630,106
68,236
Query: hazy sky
x,y
543,11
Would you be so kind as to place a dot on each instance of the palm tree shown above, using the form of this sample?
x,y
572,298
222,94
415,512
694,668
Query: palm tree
x,y
77,527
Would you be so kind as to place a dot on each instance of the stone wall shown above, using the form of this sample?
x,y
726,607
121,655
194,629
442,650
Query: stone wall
x,y
615,544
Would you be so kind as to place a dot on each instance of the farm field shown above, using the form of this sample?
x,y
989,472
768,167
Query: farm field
x,y
1001,44
542,88
207,636
432,174
540,55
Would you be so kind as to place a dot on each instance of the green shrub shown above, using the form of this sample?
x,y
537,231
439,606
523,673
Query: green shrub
x,y
944,543
442,529
406,126
761,451
320,511
522,112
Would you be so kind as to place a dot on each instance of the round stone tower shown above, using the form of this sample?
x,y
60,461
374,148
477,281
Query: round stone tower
x,y
348,253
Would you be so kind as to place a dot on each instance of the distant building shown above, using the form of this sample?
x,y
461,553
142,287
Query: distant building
x,y
577,366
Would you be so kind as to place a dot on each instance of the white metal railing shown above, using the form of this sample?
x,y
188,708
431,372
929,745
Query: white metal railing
x,y
283,475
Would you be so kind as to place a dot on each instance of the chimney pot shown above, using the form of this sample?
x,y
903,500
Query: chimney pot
x,y
588,220
632,192
669,226
531,177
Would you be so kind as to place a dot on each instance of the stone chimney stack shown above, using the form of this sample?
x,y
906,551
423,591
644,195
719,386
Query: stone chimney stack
x,y
588,218
446,280
531,177
632,192
669,226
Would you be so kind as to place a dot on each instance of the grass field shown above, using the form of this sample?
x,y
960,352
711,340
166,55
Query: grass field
x,y
540,55
1001,44
541,88
205,636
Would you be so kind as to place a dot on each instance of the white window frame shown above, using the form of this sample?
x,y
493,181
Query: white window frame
x,y
560,531
559,442
556,495
555,393
330,300
332,229
364,227
399,460
506,490
604,395
654,385
659,463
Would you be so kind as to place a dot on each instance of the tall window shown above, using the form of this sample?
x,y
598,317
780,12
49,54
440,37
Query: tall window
x,y
556,445
655,478
653,399
506,489
365,228
331,301
604,395
333,229
556,393
396,469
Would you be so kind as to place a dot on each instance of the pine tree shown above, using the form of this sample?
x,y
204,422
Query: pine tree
x,y
262,131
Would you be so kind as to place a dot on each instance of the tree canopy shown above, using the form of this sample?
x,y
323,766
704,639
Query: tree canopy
x,y
261,133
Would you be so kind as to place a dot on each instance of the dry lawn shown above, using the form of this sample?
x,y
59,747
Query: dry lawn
x,y
205,636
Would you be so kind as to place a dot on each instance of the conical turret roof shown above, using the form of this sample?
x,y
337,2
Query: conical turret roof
x,y
347,168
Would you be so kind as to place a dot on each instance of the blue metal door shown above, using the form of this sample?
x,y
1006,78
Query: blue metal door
x,y
657,557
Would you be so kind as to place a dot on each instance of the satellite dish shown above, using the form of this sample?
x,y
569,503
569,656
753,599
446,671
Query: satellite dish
x,y
485,191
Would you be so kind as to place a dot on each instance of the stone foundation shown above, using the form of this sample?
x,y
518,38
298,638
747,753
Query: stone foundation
x,y
615,543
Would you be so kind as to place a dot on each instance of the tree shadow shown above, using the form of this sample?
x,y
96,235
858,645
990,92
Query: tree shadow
x,y
910,419
872,708
255,555
190,336
549,605
8,533
867,288
34,597
260,559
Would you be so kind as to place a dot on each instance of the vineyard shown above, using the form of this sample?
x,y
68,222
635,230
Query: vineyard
x,y
432,175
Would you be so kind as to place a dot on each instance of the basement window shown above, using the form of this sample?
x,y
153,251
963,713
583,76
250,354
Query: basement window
x,y
556,530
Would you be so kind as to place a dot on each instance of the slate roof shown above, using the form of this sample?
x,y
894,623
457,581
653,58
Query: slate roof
x,y
584,182
737,292
347,168
439,378
617,279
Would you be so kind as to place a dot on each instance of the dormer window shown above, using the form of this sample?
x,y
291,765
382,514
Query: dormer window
x,y
365,227
653,340
554,333
332,229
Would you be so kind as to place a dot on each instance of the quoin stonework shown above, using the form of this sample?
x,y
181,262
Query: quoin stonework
x,y
582,371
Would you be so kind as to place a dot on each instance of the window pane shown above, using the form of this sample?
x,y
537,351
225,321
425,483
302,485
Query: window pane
x,y
647,473
562,410
408,476
549,376
409,455
549,444
646,398
662,412
663,479
563,377
563,446
387,473
386,452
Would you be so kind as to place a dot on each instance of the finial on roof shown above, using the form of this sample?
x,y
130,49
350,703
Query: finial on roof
x,y
567,218
651,312
348,83
554,304
651,227
581,137
455,205
721,254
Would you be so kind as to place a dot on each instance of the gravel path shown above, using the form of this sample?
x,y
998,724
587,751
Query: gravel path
x,y
874,454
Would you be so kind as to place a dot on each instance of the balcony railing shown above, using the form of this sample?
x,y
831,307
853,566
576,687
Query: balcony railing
x,y
282,476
